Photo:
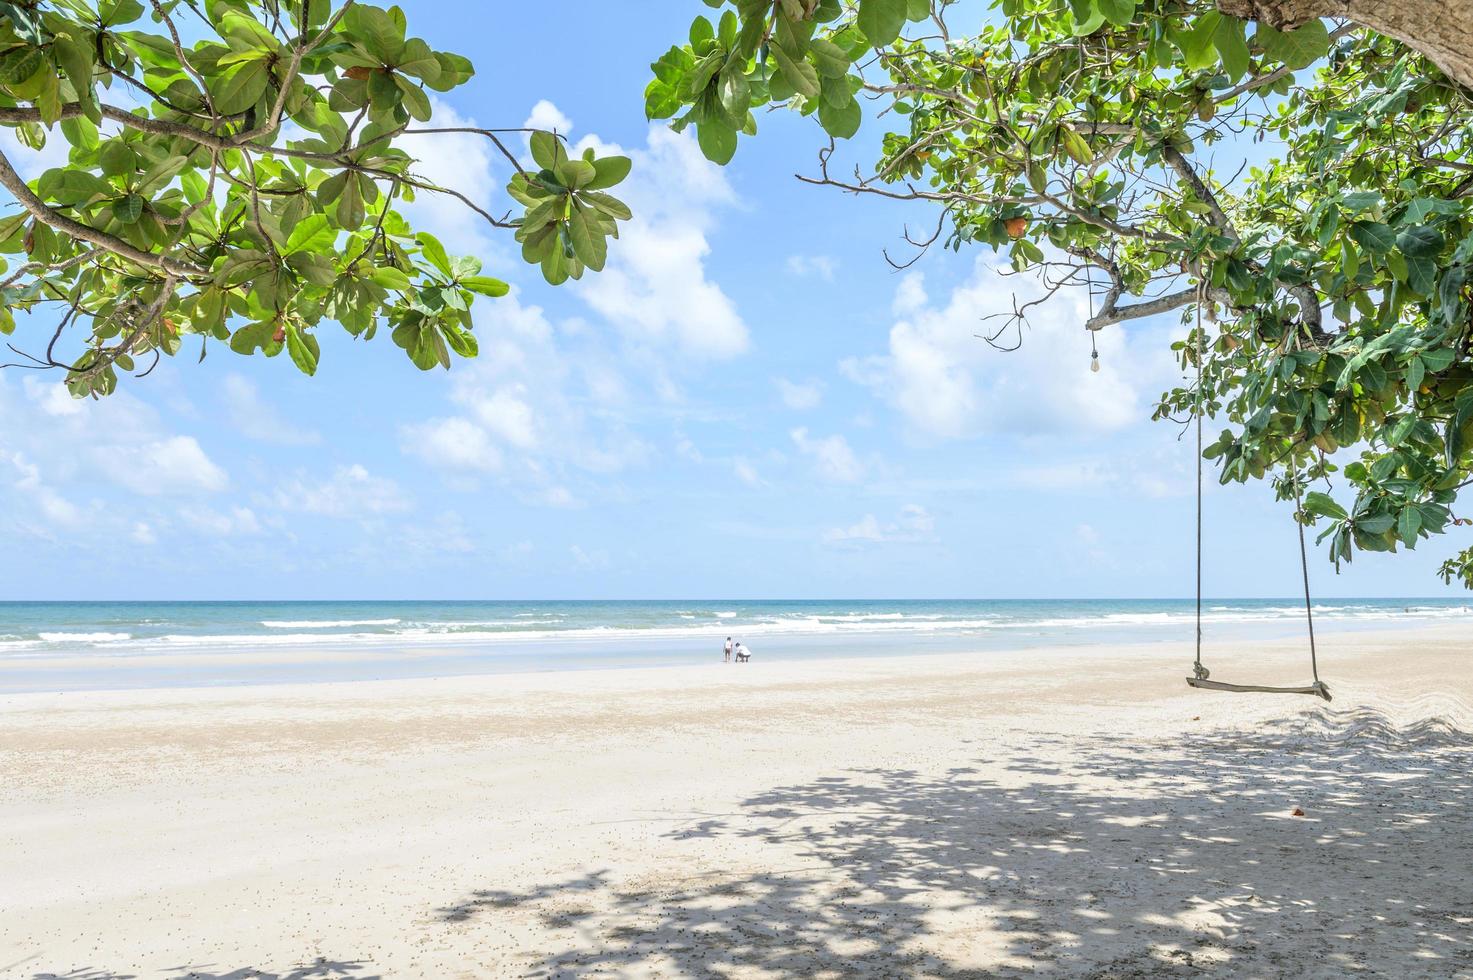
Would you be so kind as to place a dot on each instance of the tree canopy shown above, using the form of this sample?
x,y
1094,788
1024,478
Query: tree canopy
x,y
1119,139
1303,185
243,186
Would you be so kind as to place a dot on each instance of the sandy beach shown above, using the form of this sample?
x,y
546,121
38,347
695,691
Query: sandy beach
x,y
1074,812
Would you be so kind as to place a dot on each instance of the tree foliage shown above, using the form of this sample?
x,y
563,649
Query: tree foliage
x,y
1306,191
244,187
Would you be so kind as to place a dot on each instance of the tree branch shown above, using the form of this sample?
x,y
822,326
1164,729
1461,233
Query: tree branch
x,y
12,182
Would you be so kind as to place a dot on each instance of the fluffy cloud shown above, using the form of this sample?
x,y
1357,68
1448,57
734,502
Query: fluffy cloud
x,y
531,411
227,523
589,561
547,401
547,116
351,492
118,439
743,470
800,396
255,418
948,384
655,288
914,524
55,509
831,456
176,464
462,162
817,266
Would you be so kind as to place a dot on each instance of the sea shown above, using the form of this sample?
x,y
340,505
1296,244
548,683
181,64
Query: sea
x,y
61,646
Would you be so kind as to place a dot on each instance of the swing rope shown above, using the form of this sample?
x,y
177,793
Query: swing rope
x,y
1197,668
1314,666
1201,673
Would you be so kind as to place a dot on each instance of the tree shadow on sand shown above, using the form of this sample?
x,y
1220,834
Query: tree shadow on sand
x,y
1115,857
318,969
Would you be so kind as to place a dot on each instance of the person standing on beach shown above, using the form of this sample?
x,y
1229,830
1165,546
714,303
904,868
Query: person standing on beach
x,y
727,659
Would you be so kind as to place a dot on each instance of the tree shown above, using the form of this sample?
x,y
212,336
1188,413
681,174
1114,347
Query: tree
x,y
1112,139
1438,29
242,188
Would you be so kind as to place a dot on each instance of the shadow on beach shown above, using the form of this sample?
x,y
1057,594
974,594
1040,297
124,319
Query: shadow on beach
x,y
1115,857
319,969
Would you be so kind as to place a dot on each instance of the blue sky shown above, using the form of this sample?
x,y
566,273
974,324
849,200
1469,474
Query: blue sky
x,y
749,402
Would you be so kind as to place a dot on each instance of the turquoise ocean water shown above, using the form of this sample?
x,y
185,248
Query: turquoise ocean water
x,y
77,645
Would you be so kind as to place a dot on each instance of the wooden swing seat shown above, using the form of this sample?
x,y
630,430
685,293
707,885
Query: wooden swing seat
x,y
1317,689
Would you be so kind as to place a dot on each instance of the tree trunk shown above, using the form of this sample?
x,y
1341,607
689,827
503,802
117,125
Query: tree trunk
x,y
1440,29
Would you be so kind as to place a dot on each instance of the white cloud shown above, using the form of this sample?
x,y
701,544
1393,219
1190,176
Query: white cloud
x,y
1148,474
505,413
560,496
800,396
461,162
532,412
949,384
119,439
915,523
258,419
655,288
746,472
452,444
142,533
351,492
173,465
589,561
543,401
54,508
819,266
831,456
547,116
517,552
235,521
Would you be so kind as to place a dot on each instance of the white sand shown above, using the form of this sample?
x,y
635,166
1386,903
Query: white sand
x,y
1074,812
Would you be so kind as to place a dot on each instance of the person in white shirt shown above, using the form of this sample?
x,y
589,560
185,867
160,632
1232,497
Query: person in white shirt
x,y
742,653
727,658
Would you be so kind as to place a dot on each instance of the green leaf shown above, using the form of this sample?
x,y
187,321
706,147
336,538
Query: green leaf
x,y
415,99
128,209
1118,12
1408,525
241,87
881,20
611,206
1230,39
118,159
313,233
588,241
840,122
831,60
1074,145
303,348
547,150
797,71
1420,241
1298,48
1373,236
717,140
1422,276
485,285
609,171
1197,43
435,252
1324,505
